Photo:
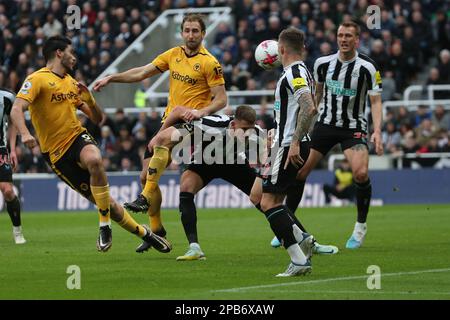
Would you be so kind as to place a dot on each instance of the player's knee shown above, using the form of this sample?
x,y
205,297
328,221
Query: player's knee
x,y
94,163
266,205
186,187
8,193
361,175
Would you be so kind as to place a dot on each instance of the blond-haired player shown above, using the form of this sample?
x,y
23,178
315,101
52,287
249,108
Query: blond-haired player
x,y
196,89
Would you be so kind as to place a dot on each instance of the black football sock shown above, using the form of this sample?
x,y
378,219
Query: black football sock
x,y
281,224
188,216
13,208
363,196
294,196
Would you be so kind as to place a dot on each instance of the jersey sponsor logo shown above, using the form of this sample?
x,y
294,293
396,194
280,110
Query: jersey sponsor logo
x,y
298,83
184,78
378,77
338,89
26,87
58,97
52,84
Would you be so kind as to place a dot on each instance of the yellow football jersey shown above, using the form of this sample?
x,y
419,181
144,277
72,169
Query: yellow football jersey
x,y
53,104
191,77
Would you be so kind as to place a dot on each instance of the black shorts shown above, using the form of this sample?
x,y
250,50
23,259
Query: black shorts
x,y
5,166
241,176
278,180
147,153
68,169
325,137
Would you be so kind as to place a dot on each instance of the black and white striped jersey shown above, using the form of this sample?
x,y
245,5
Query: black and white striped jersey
x,y
6,101
294,81
214,130
346,85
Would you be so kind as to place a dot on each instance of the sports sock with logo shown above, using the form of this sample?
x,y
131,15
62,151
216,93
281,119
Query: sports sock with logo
x,y
363,196
13,208
188,216
102,200
156,167
129,224
281,224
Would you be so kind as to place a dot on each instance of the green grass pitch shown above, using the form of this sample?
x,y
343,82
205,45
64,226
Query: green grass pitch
x,y
410,244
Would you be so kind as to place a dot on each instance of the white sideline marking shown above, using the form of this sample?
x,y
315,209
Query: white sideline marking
x,y
286,284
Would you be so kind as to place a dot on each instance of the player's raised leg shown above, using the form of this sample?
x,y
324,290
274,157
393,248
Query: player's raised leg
x,y
161,145
13,208
358,158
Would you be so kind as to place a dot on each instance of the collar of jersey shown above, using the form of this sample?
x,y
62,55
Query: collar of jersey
x,y
201,51
348,61
48,70
293,63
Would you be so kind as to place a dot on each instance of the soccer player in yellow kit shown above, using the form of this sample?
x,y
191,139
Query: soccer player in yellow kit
x,y
196,89
52,96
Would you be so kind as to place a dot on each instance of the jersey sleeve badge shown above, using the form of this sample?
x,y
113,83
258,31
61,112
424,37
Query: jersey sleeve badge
x,y
378,77
298,83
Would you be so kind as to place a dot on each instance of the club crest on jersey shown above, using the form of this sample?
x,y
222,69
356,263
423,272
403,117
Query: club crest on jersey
x,y
197,67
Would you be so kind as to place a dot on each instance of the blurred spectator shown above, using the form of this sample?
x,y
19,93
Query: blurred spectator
x,y
444,67
342,187
140,97
441,118
391,137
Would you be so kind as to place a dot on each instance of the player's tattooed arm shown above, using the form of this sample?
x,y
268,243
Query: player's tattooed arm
x,y
305,115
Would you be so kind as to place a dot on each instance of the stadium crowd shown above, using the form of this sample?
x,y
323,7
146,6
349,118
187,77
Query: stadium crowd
x,y
413,36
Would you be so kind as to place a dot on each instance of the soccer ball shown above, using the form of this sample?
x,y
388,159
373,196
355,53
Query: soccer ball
x,y
266,55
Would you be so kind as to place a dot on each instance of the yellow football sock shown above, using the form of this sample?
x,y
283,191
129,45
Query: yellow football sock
x,y
129,224
102,200
154,211
156,167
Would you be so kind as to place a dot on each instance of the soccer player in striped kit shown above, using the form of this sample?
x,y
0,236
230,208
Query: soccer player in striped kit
x,y
344,80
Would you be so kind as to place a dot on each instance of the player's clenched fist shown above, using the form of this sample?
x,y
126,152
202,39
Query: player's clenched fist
x,y
29,140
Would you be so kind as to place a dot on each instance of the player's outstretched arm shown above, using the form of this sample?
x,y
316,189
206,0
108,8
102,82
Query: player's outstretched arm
x,y
377,117
132,75
18,119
